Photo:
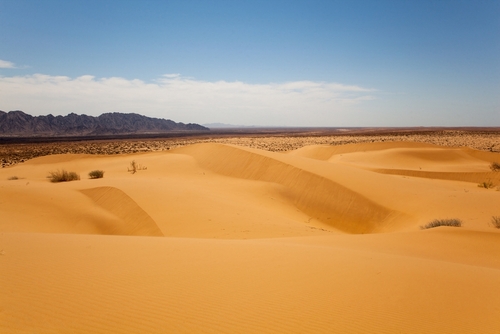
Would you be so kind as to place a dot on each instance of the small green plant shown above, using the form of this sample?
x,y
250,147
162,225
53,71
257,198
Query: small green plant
x,y
63,176
13,178
134,167
495,166
495,221
486,184
442,222
96,174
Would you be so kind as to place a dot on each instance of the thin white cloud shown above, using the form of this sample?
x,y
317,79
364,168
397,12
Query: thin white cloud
x,y
6,64
299,103
172,75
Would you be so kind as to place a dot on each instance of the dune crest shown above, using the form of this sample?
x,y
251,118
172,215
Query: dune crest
x,y
410,159
133,219
325,152
315,195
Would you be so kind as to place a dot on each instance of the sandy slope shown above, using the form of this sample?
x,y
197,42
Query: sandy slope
x,y
219,238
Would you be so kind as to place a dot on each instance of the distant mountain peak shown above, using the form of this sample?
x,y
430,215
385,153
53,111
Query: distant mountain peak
x,y
19,124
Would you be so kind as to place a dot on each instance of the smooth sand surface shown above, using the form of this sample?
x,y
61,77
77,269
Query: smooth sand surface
x,y
214,238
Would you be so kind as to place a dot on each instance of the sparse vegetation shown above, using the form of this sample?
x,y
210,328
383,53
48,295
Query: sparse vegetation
x,y
63,176
96,174
495,166
442,222
13,178
495,221
134,167
486,184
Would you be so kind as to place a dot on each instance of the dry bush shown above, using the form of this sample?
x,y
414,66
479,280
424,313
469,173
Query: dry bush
x,y
495,166
63,176
13,178
442,222
495,221
486,185
134,167
96,174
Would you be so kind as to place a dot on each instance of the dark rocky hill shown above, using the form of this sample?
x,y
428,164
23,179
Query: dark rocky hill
x,y
19,124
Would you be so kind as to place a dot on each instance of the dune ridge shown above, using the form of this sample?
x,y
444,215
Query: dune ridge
x,y
134,220
456,176
325,152
433,151
319,197
413,159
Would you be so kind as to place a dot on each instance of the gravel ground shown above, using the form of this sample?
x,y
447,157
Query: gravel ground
x,y
12,154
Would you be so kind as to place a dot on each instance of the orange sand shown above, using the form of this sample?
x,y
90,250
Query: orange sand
x,y
214,238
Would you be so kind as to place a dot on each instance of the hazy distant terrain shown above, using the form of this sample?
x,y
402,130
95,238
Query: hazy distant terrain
x,y
226,126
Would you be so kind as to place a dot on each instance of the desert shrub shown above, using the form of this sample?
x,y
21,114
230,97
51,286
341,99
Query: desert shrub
x,y
495,166
63,176
495,221
96,174
13,178
134,167
442,222
486,185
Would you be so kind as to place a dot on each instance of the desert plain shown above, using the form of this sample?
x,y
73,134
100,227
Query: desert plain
x,y
229,236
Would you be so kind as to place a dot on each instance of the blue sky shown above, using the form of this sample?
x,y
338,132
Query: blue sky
x,y
280,63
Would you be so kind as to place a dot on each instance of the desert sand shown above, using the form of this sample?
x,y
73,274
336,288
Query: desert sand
x,y
223,238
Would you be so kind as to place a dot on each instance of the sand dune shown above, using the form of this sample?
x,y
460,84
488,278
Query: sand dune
x,y
309,190
134,220
411,159
216,238
403,154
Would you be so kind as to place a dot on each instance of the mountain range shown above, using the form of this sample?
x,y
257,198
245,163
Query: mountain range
x,y
19,124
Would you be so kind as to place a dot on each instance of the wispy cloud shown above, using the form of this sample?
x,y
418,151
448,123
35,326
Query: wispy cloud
x,y
9,64
307,103
6,64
